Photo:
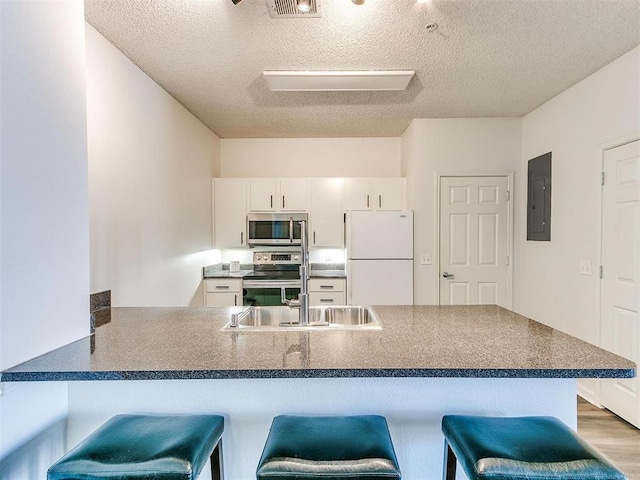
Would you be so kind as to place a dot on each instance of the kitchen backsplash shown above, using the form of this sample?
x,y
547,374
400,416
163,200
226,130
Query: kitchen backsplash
x,y
100,309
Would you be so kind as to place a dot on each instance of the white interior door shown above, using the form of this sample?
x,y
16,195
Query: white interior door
x,y
474,233
620,290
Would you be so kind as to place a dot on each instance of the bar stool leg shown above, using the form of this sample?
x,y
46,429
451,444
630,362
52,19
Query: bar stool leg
x,y
449,469
216,462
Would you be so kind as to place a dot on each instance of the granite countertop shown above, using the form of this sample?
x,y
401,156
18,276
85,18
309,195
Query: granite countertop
x,y
247,273
316,271
226,274
415,341
327,274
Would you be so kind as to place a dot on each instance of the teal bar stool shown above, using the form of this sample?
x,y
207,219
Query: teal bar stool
x,y
354,447
519,448
146,447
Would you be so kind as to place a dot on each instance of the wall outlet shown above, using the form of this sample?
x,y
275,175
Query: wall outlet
x,y
425,259
585,267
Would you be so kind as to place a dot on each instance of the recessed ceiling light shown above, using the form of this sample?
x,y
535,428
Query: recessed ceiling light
x,y
337,81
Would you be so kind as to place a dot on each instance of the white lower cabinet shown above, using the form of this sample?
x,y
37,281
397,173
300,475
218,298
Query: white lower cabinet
x,y
327,291
223,292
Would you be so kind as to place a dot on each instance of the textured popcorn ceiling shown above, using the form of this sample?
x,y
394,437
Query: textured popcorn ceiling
x,y
488,58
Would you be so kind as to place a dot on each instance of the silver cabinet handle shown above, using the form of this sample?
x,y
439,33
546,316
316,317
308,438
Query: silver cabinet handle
x,y
447,275
283,202
367,201
379,201
326,300
314,238
271,201
235,300
327,286
241,238
222,287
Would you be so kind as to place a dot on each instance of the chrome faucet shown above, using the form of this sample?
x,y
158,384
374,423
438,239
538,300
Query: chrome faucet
x,y
303,297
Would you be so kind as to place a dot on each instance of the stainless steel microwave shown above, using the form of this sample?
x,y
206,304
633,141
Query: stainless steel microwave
x,y
274,229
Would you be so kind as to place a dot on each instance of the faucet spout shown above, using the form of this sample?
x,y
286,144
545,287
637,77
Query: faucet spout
x,y
303,297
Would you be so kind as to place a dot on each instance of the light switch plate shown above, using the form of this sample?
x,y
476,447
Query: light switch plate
x,y
425,259
585,267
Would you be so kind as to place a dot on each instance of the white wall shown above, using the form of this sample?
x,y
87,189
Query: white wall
x,y
44,222
572,126
150,169
310,157
432,146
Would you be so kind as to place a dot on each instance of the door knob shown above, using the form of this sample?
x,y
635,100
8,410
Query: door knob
x,y
447,275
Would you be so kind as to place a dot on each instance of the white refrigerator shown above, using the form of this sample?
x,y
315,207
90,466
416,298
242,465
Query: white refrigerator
x,y
380,258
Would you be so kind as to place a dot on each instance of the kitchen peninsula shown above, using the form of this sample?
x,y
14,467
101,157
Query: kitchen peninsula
x,y
426,361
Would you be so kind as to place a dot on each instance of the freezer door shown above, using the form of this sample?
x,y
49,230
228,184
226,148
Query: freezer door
x,y
380,282
383,235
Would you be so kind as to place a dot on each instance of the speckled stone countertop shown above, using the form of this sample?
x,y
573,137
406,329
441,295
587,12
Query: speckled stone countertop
x,y
245,273
318,270
415,341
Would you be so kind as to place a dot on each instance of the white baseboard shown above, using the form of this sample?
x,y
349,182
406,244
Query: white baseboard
x,y
589,389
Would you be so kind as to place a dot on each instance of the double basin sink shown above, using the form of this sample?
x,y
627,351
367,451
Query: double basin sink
x,y
320,318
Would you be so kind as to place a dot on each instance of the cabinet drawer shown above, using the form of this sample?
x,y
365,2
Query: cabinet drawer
x,y
222,299
223,285
326,285
326,298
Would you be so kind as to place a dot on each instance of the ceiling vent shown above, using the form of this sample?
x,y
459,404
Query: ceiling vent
x,y
289,9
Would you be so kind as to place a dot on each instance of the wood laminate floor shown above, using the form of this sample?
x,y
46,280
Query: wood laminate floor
x,y
617,439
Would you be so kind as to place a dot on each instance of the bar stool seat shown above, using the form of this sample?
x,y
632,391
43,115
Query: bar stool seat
x,y
354,447
502,448
145,447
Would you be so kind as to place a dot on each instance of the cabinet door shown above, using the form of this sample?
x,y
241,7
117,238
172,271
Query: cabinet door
x,y
387,193
263,194
326,216
222,299
294,195
230,212
358,193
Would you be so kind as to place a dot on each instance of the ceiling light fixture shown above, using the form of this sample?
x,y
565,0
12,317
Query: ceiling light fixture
x,y
337,81
303,5
235,2
358,2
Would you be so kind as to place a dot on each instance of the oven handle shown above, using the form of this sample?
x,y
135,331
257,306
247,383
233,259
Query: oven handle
x,y
271,283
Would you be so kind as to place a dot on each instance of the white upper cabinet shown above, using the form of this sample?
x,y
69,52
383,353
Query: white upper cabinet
x,y
387,193
294,195
326,214
274,195
374,193
230,212
263,194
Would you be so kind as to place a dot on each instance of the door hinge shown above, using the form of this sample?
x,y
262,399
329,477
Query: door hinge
x,y
601,272
507,259
602,178
508,195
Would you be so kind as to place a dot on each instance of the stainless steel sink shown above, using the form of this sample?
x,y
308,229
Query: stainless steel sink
x,y
320,318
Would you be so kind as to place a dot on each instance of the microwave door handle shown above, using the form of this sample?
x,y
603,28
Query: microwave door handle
x,y
291,229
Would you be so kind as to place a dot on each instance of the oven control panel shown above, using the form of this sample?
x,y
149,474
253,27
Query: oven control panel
x,y
276,258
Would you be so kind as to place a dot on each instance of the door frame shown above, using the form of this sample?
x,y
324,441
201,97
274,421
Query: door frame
x,y
594,395
501,173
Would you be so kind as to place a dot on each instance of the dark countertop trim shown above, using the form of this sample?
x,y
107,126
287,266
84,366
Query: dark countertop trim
x,y
301,373
416,341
